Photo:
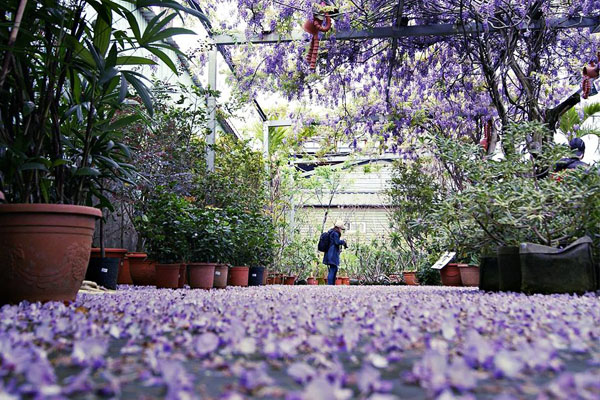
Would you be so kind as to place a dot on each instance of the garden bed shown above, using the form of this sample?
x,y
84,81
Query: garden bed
x,y
303,342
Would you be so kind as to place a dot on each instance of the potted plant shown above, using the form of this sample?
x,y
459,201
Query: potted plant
x,y
66,75
165,227
211,244
298,256
518,200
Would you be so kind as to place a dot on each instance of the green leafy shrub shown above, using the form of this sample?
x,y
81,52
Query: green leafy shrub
x,y
166,227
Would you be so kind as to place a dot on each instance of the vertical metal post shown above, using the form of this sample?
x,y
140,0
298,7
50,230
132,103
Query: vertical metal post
x,y
211,104
266,126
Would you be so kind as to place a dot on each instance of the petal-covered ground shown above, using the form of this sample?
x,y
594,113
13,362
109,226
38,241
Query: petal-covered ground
x,y
303,342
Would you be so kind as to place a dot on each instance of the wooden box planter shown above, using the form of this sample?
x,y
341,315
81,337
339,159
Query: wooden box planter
x,y
469,274
182,276
46,250
549,270
509,269
489,276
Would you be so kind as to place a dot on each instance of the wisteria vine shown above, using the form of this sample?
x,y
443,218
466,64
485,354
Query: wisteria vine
x,y
451,85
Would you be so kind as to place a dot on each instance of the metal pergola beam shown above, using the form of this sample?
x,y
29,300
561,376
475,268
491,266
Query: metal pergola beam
x,y
411,31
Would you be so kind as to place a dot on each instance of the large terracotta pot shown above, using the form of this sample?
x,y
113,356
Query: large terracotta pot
x,y
346,280
410,278
339,281
45,250
311,281
142,269
469,274
166,276
201,275
289,280
238,276
278,279
124,276
451,275
221,273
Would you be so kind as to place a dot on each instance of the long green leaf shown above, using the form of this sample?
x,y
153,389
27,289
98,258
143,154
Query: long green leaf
x,y
102,32
122,122
133,24
87,171
141,89
164,58
170,32
157,26
33,166
172,5
134,60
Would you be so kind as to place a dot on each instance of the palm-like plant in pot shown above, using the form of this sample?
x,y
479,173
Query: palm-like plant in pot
x,y
66,72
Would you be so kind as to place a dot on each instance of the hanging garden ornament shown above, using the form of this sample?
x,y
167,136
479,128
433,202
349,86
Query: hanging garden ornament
x,y
590,72
315,26
487,135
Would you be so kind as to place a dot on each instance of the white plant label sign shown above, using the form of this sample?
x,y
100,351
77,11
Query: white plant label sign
x,y
444,260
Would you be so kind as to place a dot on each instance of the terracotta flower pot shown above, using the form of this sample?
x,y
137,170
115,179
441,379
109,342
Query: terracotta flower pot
x,y
289,280
142,269
124,276
469,274
278,279
201,275
311,281
238,276
410,278
451,275
270,280
221,273
339,281
45,250
346,281
167,275
182,275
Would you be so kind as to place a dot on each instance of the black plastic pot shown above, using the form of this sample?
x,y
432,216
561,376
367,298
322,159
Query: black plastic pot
x,y
489,276
103,271
255,277
550,270
509,268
